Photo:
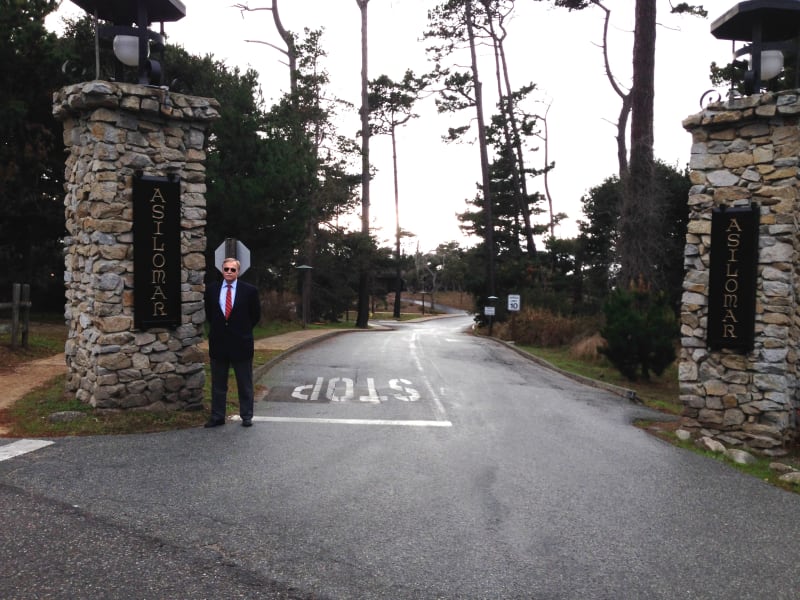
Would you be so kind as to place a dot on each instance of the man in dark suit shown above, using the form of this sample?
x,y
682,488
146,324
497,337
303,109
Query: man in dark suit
x,y
232,311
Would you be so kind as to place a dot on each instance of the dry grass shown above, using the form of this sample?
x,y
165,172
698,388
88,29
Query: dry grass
x,y
588,348
412,303
540,327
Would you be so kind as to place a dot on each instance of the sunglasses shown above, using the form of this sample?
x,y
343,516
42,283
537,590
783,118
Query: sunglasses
x,y
229,269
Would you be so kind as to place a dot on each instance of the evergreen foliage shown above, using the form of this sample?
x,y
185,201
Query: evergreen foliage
x,y
274,176
280,177
640,331
31,154
599,235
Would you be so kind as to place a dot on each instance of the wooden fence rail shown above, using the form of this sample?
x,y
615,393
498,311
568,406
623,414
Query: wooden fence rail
x,y
20,306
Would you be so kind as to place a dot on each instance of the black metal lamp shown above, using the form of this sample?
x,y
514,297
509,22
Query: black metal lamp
x,y
772,28
129,31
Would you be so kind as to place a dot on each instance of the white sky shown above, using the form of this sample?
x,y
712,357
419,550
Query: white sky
x,y
556,49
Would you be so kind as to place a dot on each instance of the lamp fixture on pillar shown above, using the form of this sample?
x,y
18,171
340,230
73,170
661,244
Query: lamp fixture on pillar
x,y
131,38
772,28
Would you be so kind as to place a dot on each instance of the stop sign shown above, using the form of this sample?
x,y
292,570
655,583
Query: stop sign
x,y
232,248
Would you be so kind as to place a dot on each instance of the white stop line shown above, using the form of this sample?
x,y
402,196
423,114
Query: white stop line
x,y
390,422
21,447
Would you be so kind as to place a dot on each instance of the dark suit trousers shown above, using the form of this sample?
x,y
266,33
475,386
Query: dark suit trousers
x,y
219,386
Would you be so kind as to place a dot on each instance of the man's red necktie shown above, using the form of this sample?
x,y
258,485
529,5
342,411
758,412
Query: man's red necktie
x,y
228,302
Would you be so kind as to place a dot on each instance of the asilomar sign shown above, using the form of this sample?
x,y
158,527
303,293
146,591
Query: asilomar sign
x,y
156,251
732,281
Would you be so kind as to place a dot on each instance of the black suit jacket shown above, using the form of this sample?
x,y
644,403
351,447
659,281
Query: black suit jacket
x,y
232,339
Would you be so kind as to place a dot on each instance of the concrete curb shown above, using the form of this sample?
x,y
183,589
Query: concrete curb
x,y
626,393
259,371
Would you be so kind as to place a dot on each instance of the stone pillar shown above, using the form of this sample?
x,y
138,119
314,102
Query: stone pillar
x,y
112,131
745,152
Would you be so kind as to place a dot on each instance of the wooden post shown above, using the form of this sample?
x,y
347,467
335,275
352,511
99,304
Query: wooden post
x,y
16,290
26,313
20,321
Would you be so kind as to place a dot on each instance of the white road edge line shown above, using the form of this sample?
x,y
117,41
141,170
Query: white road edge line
x,y
21,447
406,423
413,351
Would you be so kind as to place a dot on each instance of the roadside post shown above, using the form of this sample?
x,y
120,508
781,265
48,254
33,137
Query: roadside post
x,y
514,304
489,311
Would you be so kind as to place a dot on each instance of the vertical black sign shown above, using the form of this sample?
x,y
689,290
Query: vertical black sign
x,y
156,251
732,282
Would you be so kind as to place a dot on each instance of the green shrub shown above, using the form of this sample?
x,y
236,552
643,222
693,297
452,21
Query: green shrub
x,y
640,331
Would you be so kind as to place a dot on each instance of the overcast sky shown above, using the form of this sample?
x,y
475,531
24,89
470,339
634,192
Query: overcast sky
x,y
557,50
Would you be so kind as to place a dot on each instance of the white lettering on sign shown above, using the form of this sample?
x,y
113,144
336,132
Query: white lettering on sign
x,y
159,257
342,389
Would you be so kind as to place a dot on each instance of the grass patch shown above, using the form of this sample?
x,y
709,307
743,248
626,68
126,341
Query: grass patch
x,y
760,468
31,417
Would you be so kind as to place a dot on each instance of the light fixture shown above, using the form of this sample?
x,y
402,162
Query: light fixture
x,y
126,49
771,64
129,33
772,30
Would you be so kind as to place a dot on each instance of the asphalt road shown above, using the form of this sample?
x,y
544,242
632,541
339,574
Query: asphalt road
x,y
415,463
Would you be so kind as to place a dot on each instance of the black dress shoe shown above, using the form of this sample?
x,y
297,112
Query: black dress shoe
x,y
214,422
247,422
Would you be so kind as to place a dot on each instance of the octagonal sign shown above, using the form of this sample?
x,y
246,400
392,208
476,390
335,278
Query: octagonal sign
x,y
232,248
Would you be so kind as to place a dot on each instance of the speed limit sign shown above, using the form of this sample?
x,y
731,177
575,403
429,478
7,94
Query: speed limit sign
x,y
513,302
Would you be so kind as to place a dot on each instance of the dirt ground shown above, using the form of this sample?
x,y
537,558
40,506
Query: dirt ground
x,y
23,370
17,381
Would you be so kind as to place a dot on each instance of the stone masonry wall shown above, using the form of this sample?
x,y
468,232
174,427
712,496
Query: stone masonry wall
x,y
112,130
744,151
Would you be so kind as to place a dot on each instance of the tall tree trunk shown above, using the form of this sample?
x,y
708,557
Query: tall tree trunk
x,y
487,190
291,49
362,319
286,36
511,130
638,244
546,172
625,109
398,290
312,224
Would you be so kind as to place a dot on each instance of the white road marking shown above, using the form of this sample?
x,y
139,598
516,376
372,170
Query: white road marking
x,y
403,385
397,423
413,351
21,447
335,393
